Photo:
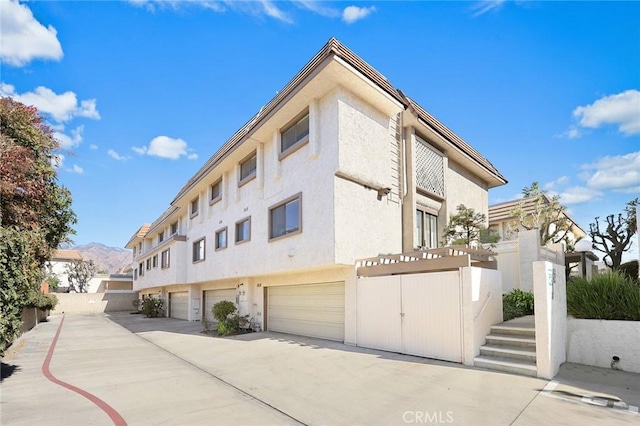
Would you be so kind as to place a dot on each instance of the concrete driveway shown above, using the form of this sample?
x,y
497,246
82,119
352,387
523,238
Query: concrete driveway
x,y
165,371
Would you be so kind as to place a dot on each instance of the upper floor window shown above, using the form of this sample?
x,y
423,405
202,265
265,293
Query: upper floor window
x,y
285,217
248,168
295,135
243,230
140,269
429,169
215,191
427,229
155,261
198,250
195,204
165,259
148,264
160,237
221,238
174,228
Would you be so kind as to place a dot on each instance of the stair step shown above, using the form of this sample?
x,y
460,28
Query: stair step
x,y
520,331
520,354
511,340
507,365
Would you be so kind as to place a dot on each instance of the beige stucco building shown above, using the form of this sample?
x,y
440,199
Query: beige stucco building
x,y
339,165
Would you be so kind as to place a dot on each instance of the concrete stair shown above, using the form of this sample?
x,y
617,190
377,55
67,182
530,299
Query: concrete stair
x,y
510,347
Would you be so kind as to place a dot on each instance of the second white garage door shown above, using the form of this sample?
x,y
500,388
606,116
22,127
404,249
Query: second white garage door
x,y
179,305
211,297
315,310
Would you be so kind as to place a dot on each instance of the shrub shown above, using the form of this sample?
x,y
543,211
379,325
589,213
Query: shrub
x,y
608,296
229,322
42,301
222,310
630,269
152,307
517,304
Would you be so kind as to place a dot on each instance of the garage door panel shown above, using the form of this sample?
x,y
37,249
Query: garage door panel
x,y
179,305
211,297
315,310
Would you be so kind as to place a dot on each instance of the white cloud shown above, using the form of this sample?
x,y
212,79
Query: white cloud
x,y
351,14
113,154
318,7
621,110
562,180
166,147
485,6
620,172
93,146
61,107
579,195
76,169
57,161
68,142
23,37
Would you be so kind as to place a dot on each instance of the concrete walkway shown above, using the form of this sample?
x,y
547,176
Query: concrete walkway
x,y
165,371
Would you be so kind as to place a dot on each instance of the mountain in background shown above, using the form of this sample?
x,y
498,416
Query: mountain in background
x,y
111,259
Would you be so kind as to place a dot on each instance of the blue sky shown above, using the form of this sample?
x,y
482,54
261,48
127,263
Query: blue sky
x,y
142,93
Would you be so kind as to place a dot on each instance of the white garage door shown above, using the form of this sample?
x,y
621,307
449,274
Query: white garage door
x,y
315,310
179,305
211,297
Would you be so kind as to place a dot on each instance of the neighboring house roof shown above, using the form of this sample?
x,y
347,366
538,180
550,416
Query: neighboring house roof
x,y
502,213
140,233
65,255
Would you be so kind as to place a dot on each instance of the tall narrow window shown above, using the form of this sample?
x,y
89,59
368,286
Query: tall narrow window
x,y
285,217
248,168
174,228
160,237
198,250
427,230
165,259
221,239
295,135
215,192
243,230
148,264
155,261
195,206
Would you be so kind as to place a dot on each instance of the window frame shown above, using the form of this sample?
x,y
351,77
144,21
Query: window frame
x,y
243,180
284,203
426,215
174,224
196,202
299,143
212,199
226,238
199,251
141,269
154,261
161,236
168,259
246,219
148,264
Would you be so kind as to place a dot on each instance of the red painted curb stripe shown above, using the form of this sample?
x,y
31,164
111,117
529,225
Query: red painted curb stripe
x,y
113,414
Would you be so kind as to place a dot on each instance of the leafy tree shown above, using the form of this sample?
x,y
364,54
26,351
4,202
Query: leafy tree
x,y
465,227
537,210
79,272
53,282
35,211
616,238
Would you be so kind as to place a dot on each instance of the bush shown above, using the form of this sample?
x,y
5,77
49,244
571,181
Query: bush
x,y
608,296
229,322
630,269
42,301
222,310
517,304
152,307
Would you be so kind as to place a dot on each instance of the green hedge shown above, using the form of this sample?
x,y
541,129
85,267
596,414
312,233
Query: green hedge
x,y
608,296
517,304
42,301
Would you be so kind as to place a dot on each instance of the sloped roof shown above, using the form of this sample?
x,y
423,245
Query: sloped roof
x,y
140,233
64,254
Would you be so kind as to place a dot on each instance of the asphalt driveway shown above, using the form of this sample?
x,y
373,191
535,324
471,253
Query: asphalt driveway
x,y
162,371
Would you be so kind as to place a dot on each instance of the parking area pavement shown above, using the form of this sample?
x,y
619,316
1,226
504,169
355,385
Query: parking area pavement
x,y
165,371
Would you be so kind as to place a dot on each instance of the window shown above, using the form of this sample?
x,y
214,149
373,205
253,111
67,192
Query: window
x,y
194,206
198,250
243,230
248,168
429,168
160,237
164,259
285,218
427,227
174,228
295,135
140,269
148,264
216,191
221,239
135,274
155,261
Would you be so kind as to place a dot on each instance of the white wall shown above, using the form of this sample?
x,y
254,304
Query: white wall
x,y
550,295
596,342
464,188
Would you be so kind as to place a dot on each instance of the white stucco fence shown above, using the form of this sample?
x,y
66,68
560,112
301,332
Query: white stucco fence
x,y
596,342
